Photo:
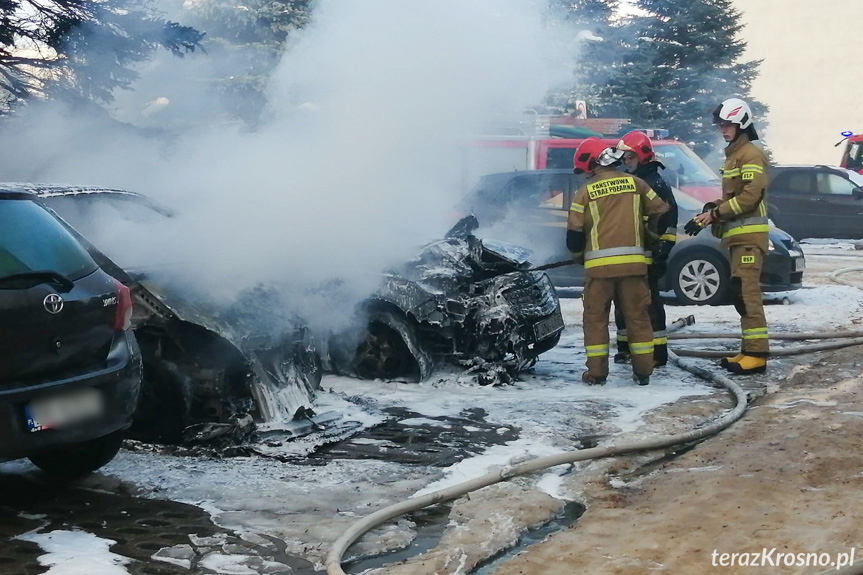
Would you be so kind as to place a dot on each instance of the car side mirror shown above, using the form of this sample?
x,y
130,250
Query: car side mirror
x,y
857,193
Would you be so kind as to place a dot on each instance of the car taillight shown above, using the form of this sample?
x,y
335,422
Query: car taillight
x,y
123,318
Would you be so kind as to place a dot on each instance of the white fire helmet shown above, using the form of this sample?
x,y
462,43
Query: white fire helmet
x,y
609,157
736,111
733,110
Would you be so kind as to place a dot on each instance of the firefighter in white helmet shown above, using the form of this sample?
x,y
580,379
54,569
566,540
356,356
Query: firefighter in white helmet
x,y
740,219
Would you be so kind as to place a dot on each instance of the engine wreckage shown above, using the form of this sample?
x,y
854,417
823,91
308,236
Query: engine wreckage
x,y
212,372
471,302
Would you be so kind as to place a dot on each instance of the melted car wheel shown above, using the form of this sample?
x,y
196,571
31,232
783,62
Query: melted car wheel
x,y
390,349
383,354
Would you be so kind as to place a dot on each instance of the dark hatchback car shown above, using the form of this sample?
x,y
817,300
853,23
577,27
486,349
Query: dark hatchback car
x,y
71,369
816,201
530,208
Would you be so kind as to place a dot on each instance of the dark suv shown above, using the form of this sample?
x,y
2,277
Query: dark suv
x,y
816,201
530,208
70,368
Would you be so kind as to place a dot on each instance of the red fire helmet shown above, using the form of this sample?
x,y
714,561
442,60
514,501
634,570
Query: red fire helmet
x,y
639,143
586,155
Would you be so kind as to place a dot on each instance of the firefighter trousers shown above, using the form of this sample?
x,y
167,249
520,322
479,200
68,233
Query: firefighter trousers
x,y
656,311
746,263
634,297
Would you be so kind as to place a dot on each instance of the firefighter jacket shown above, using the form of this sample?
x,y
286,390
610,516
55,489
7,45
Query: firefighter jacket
x,y
741,214
608,213
667,224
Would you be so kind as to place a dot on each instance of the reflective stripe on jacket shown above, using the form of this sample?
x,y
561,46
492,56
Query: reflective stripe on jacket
x,y
610,209
742,211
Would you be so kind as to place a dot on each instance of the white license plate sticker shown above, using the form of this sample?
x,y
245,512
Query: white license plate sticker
x,y
64,409
547,327
799,264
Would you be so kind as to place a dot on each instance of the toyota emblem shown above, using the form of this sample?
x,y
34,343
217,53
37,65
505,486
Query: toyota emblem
x,y
53,303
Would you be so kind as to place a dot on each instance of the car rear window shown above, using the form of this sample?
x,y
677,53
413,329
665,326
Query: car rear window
x,y
31,239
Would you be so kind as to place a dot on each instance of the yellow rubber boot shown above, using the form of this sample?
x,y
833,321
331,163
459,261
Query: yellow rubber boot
x,y
748,365
726,361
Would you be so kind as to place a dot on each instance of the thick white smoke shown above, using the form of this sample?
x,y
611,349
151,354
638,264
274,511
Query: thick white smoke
x,y
356,163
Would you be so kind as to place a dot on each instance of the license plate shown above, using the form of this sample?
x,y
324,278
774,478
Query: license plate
x,y
64,409
799,264
547,327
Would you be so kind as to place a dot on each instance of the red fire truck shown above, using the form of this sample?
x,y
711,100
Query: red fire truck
x,y
852,156
556,139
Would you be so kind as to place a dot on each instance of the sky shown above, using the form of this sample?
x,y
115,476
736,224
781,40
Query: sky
x,y
810,76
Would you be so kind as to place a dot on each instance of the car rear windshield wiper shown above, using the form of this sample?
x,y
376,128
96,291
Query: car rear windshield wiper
x,y
27,279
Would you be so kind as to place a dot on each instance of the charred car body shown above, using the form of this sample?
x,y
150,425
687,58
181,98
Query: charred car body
x,y
209,371
471,302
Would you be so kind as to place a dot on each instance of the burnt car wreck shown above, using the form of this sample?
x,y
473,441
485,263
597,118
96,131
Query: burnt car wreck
x,y
214,373
470,302
210,372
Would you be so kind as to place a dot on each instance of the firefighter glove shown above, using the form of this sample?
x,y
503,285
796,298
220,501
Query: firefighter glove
x,y
692,227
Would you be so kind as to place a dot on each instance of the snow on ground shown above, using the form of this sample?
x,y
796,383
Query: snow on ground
x,y
812,308
77,553
308,506
828,244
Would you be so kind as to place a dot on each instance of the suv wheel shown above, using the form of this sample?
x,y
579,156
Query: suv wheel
x,y
76,460
700,278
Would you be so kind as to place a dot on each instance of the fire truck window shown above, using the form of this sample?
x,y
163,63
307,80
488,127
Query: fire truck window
x,y
559,158
855,157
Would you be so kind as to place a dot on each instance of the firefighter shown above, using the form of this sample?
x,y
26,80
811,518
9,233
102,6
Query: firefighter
x,y
640,160
740,219
605,232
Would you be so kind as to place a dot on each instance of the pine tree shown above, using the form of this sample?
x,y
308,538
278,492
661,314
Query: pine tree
x,y
81,49
248,39
598,43
682,59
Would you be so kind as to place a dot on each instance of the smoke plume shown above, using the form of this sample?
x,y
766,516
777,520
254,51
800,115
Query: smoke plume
x,y
355,162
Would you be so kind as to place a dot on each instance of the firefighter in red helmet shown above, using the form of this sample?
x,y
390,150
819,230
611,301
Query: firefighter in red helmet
x,y
640,160
605,232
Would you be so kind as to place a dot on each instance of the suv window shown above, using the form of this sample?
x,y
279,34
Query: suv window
x,y
546,193
683,167
827,183
31,239
795,181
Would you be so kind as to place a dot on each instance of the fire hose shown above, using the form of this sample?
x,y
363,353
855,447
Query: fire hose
x,y
358,529
835,276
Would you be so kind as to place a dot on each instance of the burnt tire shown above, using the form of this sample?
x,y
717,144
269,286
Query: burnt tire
x,y
79,459
391,349
700,277
163,405
383,354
